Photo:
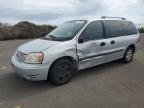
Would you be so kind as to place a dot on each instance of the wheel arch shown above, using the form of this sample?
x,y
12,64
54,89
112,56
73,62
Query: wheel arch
x,y
71,59
132,46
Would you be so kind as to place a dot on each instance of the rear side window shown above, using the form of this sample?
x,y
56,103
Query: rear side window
x,y
129,28
93,31
115,28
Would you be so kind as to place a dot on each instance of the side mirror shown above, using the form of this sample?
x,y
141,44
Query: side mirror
x,y
80,40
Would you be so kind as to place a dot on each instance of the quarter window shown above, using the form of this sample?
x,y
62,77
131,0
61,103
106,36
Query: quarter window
x,y
129,28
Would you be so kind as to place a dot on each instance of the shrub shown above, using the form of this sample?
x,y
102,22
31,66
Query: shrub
x,y
24,30
141,30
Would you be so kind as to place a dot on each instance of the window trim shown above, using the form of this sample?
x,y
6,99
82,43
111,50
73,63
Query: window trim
x,y
104,29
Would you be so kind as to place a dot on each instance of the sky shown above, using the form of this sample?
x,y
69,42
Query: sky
x,y
58,11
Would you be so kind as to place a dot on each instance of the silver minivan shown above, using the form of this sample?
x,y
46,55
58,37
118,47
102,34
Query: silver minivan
x,y
76,45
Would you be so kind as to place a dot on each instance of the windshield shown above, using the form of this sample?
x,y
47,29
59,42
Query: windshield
x,y
67,30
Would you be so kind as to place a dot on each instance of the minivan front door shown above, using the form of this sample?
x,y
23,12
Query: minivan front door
x,y
91,45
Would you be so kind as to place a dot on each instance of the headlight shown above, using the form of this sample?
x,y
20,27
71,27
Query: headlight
x,y
34,58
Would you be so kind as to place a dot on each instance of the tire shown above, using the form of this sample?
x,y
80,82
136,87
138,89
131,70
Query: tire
x,y
61,72
128,56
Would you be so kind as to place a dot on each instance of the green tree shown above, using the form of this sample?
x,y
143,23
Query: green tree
x,y
141,30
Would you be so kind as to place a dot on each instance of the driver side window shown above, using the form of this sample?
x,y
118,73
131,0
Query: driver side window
x,y
93,31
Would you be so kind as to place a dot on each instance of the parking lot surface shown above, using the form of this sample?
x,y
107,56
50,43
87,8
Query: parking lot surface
x,y
111,85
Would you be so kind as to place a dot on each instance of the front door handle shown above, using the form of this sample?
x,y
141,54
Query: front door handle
x,y
102,44
112,42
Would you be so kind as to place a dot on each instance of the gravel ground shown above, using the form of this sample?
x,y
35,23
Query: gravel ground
x,y
112,85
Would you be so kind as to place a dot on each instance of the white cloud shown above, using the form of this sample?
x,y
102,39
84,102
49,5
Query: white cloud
x,y
57,11
11,3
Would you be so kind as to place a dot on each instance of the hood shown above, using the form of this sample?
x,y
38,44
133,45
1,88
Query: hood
x,y
37,45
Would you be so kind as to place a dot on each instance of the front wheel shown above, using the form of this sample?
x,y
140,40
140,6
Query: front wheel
x,y
128,56
61,72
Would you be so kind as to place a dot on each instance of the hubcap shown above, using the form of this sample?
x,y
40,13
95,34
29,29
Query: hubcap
x,y
129,55
63,72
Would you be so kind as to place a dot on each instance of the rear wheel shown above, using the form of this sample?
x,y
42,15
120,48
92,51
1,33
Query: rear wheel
x,y
61,72
128,55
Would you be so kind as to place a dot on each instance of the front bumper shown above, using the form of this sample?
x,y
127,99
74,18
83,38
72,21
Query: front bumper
x,y
34,72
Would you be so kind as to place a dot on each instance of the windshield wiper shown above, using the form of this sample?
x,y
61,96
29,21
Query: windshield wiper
x,y
48,37
52,36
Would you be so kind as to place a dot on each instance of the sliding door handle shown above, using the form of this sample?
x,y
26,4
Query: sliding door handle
x,y
102,44
112,42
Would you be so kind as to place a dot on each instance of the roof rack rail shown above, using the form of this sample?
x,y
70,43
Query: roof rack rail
x,y
103,17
